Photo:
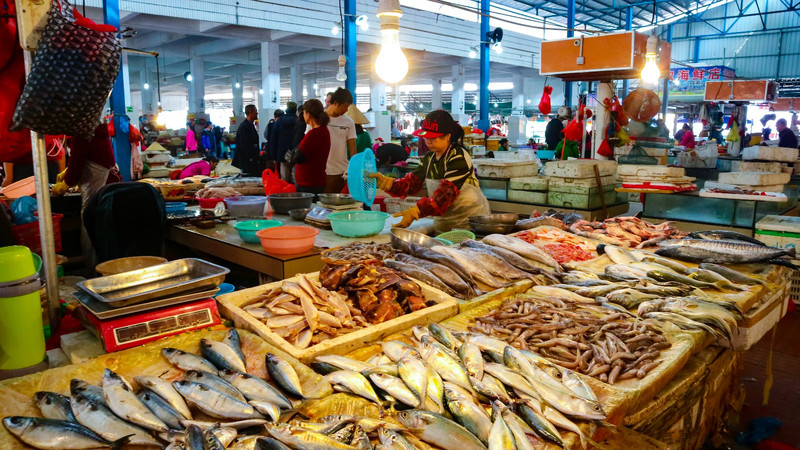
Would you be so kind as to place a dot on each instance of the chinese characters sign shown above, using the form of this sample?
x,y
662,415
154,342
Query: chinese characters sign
x,y
690,82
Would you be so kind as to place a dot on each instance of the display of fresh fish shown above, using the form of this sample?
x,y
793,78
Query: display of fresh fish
x,y
472,359
161,409
90,391
439,431
214,382
300,438
500,437
442,272
495,265
215,403
282,373
490,387
187,361
510,257
467,412
661,275
617,255
733,275
426,253
57,434
268,409
710,276
352,382
673,265
415,375
522,248
683,322
233,341
221,355
623,272
720,252
392,440
421,274
519,429
476,269
724,235
360,440
395,387
530,412
166,391
448,367
556,292
123,402
100,419
54,406
541,221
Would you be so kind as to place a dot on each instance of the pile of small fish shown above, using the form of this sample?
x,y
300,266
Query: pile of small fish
x,y
466,271
626,231
305,313
161,412
379,293
588,338
550,218
358,252
445,377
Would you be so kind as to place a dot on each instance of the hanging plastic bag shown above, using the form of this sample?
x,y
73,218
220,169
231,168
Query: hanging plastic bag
x,y
574,130
72,74
544,103
22,210
605,149
733,134
622,138
273,183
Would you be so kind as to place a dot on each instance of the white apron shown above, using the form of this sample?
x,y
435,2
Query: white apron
x,y
469,202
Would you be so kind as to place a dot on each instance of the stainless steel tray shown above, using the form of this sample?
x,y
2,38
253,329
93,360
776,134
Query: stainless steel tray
x,y
102,311
137,286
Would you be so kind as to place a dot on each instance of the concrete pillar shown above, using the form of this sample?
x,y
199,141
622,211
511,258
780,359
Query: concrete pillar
x,y
436,95
457,104
601,117
271,83
197,88
238,92
518,94
310,91
380,121
296,75
124,68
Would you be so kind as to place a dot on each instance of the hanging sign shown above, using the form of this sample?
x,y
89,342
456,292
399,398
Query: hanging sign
x,y
689,82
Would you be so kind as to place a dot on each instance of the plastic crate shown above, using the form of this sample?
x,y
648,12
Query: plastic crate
x,y
28,234
794,289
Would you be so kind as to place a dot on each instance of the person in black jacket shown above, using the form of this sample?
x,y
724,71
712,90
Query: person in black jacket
x,y
280,140
246,156
786,137
299,128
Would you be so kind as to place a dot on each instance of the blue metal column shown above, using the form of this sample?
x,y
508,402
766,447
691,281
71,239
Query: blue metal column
x,y
350,27
628,26
665,95
483,90
570,33
122,146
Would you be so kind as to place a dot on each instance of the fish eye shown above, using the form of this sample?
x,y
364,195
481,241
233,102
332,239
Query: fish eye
x,y
597,408
16,420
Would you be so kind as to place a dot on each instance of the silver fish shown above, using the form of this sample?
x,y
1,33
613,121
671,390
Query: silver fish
x,y
187,361
522,248
500,436
440,258
415,375
468,413
442,272
164,389
161,409
100,419
423,275
496,265
255,388
731,274
194,438
673,265
56,434
123,402
211,441
490,387
396,350
369,424
360,440
472,358
233,341
236,425
448,367
576,384
713,277
221,355
308,440
509,256
435,388
444,336
395,387
215,403
617,255
529,410
510,378
519,429
282,373
439,431
624,272
343,362
90,391
476,269
268,409
54,406
352,382
563,399
720,252
214,382
392,440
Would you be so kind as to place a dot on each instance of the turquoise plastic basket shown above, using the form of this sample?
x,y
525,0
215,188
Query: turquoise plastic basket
x,y
361,186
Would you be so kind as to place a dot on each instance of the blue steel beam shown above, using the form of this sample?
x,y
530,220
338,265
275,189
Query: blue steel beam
x,y
350,52
483,121
122,146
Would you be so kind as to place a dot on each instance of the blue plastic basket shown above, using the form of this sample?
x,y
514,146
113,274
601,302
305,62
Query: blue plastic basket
x,y
361,186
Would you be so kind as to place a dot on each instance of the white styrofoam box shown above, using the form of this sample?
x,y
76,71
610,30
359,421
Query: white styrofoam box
x,y
527,196
492,168
537,183
395,204
579,168
754,178
779,231
783,154
754,166
607,180
642,170
767,188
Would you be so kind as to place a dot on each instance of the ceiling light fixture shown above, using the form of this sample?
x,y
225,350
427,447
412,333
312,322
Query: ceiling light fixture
x,y
188,76
651,72
341,75
261,91
238,85
146,86
391,64
336,28
363,22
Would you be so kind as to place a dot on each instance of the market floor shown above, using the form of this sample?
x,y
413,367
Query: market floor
x,y
784,397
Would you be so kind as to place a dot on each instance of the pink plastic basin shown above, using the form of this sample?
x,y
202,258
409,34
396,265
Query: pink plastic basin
x,y
288,239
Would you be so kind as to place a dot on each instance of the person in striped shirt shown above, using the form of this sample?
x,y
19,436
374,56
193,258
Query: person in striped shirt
x,y
447,172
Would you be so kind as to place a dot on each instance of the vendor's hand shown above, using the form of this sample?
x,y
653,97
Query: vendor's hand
x,y
409,215
384,182
59,189
60,177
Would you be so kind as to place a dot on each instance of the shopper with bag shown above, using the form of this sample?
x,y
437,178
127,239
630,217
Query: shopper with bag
x,y
313,150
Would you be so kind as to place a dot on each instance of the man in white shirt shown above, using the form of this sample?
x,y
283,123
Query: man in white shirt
x,y
343,140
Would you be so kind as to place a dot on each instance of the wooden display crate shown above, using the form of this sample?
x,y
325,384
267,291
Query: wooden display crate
x,y
230,307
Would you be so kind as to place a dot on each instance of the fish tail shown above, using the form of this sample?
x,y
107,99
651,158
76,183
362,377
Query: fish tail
x,y
121,442
791,252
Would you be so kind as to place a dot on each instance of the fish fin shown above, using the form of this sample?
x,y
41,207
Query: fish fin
x,y
121,442
784,263
608,426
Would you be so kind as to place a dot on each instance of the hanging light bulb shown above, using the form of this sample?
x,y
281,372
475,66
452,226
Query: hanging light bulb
x,y
160,119
146,86
316,86
472,53
188,76
238,85
495,105
335,29
651,72
363,22
391,64
341,75
498,47
261,91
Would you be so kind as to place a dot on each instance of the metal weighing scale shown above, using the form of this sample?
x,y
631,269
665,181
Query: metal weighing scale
x,y
146,316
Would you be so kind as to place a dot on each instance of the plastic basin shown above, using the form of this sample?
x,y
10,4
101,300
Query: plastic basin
x,y
22,188
288,239
247,230
357,223
225,288
246,205
283,202
128,264
175,207
545,154
209,203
